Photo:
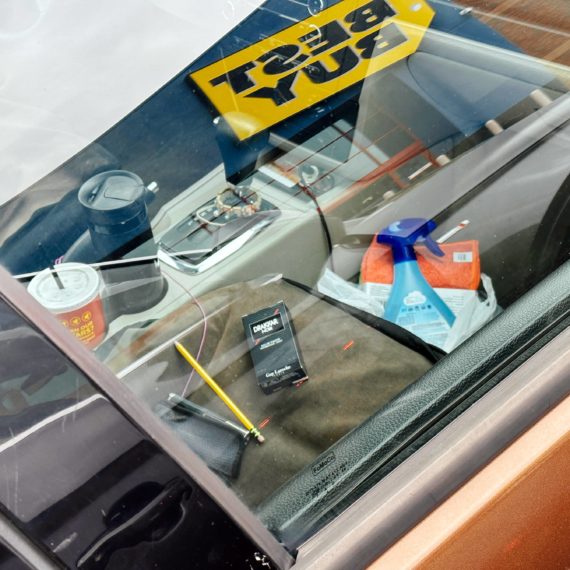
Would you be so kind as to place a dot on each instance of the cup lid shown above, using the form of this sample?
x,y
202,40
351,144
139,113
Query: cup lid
x,y
80,282
112,197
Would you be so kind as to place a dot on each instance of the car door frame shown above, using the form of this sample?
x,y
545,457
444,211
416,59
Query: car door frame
x,y
16,296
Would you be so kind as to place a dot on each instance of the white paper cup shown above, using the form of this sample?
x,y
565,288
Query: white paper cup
x,y
78,304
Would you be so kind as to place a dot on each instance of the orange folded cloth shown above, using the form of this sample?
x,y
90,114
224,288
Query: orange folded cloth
x,y
459,268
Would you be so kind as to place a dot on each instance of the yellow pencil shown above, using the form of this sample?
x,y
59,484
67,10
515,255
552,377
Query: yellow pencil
x,y
218,390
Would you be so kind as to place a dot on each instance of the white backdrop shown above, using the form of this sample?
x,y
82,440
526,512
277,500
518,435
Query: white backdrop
x,y
70,69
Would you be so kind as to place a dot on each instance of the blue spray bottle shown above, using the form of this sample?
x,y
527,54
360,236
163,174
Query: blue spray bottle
x,y
413,304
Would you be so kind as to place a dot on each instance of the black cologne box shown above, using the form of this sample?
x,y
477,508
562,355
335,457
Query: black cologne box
x,y
271,340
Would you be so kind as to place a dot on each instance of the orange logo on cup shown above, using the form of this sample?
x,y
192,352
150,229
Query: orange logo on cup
x,y
77,303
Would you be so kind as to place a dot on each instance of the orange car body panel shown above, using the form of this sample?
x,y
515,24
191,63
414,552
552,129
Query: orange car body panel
x,y
515,513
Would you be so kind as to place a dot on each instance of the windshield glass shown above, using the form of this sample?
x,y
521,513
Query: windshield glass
x,y
271,221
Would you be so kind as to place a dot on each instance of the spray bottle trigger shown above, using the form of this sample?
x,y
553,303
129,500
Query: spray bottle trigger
x,y
433,246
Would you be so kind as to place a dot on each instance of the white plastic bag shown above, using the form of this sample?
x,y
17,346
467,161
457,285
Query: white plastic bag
x,y
332,285
470,310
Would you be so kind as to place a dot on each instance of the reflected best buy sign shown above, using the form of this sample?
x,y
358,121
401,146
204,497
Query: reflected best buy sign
x,y
304,64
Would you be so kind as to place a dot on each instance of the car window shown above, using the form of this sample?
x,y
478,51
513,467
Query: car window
x,y
277,233
85,484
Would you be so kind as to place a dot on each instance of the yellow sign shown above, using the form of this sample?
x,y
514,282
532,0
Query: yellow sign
x,y
311,60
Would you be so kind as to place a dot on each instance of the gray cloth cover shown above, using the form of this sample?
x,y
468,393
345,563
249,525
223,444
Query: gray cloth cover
x,y
353,370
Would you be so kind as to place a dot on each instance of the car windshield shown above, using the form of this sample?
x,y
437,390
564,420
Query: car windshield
x,y
271,220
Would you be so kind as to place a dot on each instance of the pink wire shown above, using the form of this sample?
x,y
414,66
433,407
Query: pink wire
x,y
204,331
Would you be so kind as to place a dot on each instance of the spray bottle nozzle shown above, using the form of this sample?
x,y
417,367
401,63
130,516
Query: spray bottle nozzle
x,y
403,234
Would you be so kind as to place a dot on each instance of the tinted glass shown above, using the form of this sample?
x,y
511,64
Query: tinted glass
x,y
84,483
322,205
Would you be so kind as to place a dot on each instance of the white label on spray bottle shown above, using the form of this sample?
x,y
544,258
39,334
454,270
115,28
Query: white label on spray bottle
x,y
420,317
